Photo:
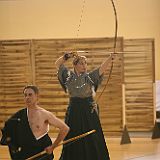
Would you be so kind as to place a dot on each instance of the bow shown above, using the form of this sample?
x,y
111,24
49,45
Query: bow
x,y
114,48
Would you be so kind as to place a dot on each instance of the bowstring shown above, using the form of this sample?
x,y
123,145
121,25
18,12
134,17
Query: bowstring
x,y
77,32
80,22
81,17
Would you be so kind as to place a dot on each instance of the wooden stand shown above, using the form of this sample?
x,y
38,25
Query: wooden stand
x,y
156,131
125,136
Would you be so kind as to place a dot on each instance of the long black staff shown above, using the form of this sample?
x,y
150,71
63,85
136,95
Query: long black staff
x,y
64,142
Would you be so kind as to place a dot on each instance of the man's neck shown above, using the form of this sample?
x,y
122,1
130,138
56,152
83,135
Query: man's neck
x,y
33,107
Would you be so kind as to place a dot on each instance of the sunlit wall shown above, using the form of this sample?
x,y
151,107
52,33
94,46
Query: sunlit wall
x,y
33,19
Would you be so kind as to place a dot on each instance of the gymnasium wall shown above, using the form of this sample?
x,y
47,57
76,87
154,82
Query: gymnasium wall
x,y
127,99
39,19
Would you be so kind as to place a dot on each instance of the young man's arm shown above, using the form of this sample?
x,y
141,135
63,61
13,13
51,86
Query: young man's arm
x,y
63,130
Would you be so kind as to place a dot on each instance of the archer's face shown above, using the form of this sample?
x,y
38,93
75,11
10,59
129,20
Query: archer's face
x,y
81,66
30,97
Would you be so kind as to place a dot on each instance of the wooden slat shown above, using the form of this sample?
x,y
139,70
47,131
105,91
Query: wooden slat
x,y
138,76
14,74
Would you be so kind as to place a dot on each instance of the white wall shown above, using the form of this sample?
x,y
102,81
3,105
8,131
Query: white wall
x,y
158,95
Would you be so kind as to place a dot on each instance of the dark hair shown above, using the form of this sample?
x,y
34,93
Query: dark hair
x,y
33,87
79,58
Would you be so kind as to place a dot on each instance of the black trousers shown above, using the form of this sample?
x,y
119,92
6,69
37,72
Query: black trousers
x,y
81,118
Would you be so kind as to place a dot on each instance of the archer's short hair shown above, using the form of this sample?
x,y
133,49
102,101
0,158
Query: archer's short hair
x,y
78,59
33,87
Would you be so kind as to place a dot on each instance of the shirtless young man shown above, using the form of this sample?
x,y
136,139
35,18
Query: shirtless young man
x,y
31,129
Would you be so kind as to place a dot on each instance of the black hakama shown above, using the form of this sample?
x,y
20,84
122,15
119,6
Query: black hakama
x,y
81,118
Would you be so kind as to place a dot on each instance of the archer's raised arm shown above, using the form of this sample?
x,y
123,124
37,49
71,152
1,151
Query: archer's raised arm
x,y
105,64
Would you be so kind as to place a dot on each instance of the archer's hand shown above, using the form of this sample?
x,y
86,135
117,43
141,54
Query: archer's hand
x,y
68,55
49,149
113,56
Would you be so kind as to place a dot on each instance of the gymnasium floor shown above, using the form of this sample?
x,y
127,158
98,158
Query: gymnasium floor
x,y
138,149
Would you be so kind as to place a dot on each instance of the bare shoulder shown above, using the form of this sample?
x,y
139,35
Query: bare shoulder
x,y
49,117
44,111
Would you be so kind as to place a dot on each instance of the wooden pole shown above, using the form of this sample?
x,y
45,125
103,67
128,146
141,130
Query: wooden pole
x,y
125,136
64,142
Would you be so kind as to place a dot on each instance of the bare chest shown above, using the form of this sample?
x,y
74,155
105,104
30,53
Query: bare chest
x,y
36,121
